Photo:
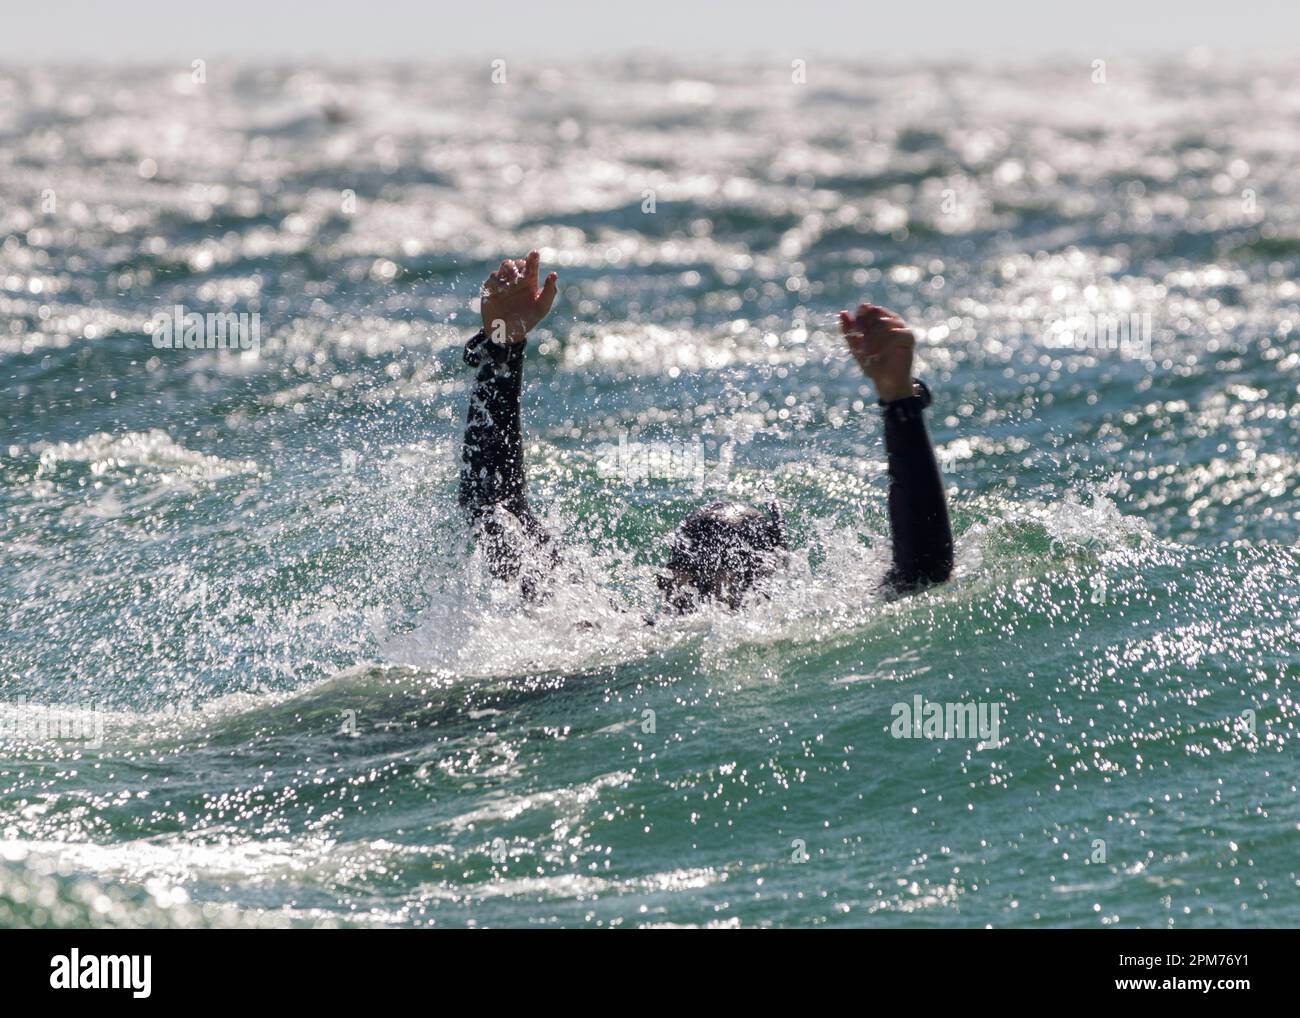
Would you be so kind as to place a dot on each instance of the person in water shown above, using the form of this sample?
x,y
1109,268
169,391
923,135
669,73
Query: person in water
x,y
723,551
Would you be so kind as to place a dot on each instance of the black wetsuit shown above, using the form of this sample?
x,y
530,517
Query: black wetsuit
x,y
492,481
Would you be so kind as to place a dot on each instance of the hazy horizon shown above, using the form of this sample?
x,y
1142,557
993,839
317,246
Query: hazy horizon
x,y
150,31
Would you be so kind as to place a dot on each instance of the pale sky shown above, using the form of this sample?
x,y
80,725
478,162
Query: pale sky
x,y
159,31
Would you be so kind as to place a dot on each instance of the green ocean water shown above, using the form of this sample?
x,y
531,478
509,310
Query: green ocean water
x,y
253,673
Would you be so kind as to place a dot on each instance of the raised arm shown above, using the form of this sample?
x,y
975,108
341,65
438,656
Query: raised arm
x,y
918,509
492,477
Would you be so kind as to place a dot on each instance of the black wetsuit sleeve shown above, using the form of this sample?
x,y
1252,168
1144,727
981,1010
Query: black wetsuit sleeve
x,y
918,509
492,480
492,457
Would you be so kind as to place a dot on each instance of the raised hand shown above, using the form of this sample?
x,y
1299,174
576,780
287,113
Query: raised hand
x,y
513,303
882,344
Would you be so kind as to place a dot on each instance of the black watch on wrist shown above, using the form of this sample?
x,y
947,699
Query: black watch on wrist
x,y
909,406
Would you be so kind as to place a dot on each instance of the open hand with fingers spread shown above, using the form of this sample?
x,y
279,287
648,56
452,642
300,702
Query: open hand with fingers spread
x,y
513,303
883,345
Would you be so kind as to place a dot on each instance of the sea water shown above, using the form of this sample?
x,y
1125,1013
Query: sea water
x,y
253,672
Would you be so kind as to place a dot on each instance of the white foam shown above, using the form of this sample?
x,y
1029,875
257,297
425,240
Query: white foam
x,y
153,450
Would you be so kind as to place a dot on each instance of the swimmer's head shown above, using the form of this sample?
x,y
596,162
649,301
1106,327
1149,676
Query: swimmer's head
x,y
721,552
